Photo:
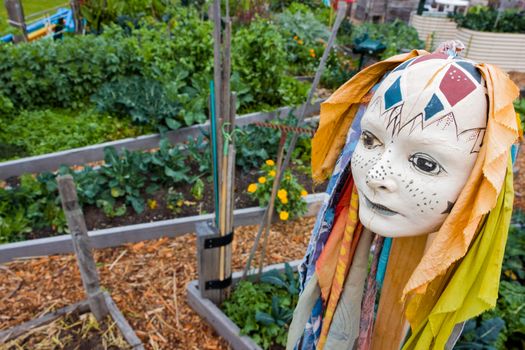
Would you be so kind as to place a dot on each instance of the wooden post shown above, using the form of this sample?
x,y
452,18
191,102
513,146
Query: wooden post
x,y
207,261
81,246
16,18
77,16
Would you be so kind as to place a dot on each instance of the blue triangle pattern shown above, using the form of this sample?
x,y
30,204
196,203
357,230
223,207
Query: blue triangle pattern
x,y
393,94
433,107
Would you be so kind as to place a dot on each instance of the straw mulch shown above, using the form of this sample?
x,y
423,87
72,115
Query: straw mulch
x,y
147,280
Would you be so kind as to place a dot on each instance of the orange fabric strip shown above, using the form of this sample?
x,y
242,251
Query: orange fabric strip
x,y
345,255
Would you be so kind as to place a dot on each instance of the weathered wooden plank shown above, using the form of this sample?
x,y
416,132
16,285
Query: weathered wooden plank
x,y
116,236
82,246
208,261
127,332
14,332
92,153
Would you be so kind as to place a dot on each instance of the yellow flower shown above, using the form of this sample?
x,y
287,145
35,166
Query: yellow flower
x,y
271,173
296,38
262,180
300,42
252,188
284,215
288,177
284,200
152,204
303,193
282,194
312,53
270,162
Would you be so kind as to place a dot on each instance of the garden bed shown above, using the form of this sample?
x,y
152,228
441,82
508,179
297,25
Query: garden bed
x,y
96,219
216,317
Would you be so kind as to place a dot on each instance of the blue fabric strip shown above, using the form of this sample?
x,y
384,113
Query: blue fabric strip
x,y
383,261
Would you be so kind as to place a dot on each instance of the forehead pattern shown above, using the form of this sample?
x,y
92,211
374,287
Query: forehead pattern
x,y
433,86
433,90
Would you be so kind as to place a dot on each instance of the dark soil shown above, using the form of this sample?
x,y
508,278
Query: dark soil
x,y
96,219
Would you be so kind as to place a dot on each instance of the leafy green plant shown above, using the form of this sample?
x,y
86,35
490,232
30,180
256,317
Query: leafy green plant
x,y
289,202
199,155
174,200
168,164
255,144
126,174
264,310
46,131
259,57
32,204
145,100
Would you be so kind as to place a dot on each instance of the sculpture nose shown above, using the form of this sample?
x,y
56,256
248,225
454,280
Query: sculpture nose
x,y
386,184
378,179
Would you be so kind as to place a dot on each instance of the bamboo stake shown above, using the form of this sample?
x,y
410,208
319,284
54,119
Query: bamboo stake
x,y
275,188
217,73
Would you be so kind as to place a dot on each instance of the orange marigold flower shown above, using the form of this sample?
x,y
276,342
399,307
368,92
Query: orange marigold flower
x,y
262,180
252,188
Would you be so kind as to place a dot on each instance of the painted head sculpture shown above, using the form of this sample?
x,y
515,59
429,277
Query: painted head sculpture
x,y
413,145
421,134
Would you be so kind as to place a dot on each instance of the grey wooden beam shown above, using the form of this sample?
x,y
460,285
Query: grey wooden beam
x,y
116,236
92,153
127,332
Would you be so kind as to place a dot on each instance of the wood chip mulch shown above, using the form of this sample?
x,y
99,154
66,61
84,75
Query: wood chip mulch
x,y
147,280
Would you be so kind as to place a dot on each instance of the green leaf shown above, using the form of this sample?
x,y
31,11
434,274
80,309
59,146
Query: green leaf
x,y
264,318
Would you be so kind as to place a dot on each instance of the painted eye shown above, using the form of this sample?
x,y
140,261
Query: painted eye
x,y
426,164
370,141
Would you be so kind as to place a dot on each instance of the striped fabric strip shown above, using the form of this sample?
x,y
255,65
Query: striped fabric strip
x,y
367,307
348,246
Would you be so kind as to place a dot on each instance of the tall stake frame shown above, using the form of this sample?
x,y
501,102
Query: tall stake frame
x,y
214,239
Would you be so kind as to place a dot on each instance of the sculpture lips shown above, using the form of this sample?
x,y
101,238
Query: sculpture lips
x,y
381,209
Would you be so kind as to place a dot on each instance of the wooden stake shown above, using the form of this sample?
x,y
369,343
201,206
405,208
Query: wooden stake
x,y
82,246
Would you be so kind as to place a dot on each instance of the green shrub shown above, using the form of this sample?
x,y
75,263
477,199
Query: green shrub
x,y
259,57
63,73
486,19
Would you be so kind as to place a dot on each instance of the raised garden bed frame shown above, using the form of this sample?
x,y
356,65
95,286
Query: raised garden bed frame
x,y
218,320
115,236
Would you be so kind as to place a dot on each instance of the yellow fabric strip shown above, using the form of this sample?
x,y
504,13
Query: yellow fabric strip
x,y
344,260
473,288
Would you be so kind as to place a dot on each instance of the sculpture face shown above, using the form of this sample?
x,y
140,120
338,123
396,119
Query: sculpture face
x,y
421,134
